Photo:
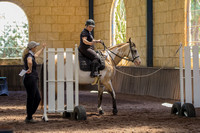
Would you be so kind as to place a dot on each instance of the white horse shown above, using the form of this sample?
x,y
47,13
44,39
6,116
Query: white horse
x,y
113,56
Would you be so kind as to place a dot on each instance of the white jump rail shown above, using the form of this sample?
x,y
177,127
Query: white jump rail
x,y
53,103
190,85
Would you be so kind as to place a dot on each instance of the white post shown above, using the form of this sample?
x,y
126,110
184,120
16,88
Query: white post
x,y
188,81
181,74
51,80
196,79
69,80
45,85
60,79
76,77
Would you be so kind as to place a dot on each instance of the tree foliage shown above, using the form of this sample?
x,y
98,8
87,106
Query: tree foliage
x,y
120,21
194,21
13,40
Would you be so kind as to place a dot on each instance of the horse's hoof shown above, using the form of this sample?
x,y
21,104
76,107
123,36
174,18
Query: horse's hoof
x,y
115,111
101,112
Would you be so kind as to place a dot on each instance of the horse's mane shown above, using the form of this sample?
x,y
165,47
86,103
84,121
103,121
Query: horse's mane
x,y
116,46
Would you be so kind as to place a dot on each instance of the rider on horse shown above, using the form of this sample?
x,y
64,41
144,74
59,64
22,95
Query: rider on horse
x,y
87,47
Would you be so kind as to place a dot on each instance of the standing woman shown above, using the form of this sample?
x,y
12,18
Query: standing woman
x,y
87,46
31,79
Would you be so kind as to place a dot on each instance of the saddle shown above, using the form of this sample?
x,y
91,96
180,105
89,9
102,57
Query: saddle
x,y
85,63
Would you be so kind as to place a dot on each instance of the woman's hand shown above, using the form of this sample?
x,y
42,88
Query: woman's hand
x,y
96,41
37,54
29,71
44,45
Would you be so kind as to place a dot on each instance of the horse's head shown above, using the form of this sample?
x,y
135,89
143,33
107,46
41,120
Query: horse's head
x,y
133,53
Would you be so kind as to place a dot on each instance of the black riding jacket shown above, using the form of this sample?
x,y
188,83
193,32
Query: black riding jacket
x,y
34,66
86,33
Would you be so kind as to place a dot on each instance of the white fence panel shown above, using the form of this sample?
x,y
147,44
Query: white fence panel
x,y
181,75
76,77
188,83
191,84
196,77
69,80
60,79
51,80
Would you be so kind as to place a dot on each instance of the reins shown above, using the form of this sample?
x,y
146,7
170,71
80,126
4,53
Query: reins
x,y
134,76
147,75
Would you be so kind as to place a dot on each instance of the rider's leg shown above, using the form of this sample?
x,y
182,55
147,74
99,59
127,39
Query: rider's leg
x,y
95,62
92,55
94,68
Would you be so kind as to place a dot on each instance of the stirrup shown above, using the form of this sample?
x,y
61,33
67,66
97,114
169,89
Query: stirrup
x,y
96,79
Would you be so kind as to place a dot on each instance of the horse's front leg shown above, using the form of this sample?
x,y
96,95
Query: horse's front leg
x,y
110,90
100,95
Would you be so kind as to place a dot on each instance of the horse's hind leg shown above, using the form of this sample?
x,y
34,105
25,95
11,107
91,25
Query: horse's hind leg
x,y
100,95
110,90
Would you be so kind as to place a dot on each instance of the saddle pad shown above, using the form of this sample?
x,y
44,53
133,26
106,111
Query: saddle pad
x,y
84,62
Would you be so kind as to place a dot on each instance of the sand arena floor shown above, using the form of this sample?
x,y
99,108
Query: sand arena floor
x,y
136,114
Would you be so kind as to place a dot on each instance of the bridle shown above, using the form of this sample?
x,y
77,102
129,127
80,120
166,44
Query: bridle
x,y
130,50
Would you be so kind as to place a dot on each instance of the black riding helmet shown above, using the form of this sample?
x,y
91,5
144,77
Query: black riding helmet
x,y
90,22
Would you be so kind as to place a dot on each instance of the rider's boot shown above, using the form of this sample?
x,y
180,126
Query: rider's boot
x,y
93,73
94,70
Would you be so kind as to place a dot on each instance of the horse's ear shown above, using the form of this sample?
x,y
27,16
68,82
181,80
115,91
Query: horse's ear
x,y
130,40
134,44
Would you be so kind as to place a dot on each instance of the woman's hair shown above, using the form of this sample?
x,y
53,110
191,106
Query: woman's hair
x,y
25,52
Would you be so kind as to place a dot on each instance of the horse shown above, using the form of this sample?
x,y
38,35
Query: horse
x,y
113,56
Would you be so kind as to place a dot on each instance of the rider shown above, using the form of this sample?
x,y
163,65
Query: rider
x,y
87,46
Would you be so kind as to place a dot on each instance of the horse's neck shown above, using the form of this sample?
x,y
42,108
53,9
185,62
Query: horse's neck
x,y
121,51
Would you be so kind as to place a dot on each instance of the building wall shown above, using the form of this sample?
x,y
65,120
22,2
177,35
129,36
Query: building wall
x,y
169,31
102,17
56,22
136,25
59,23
